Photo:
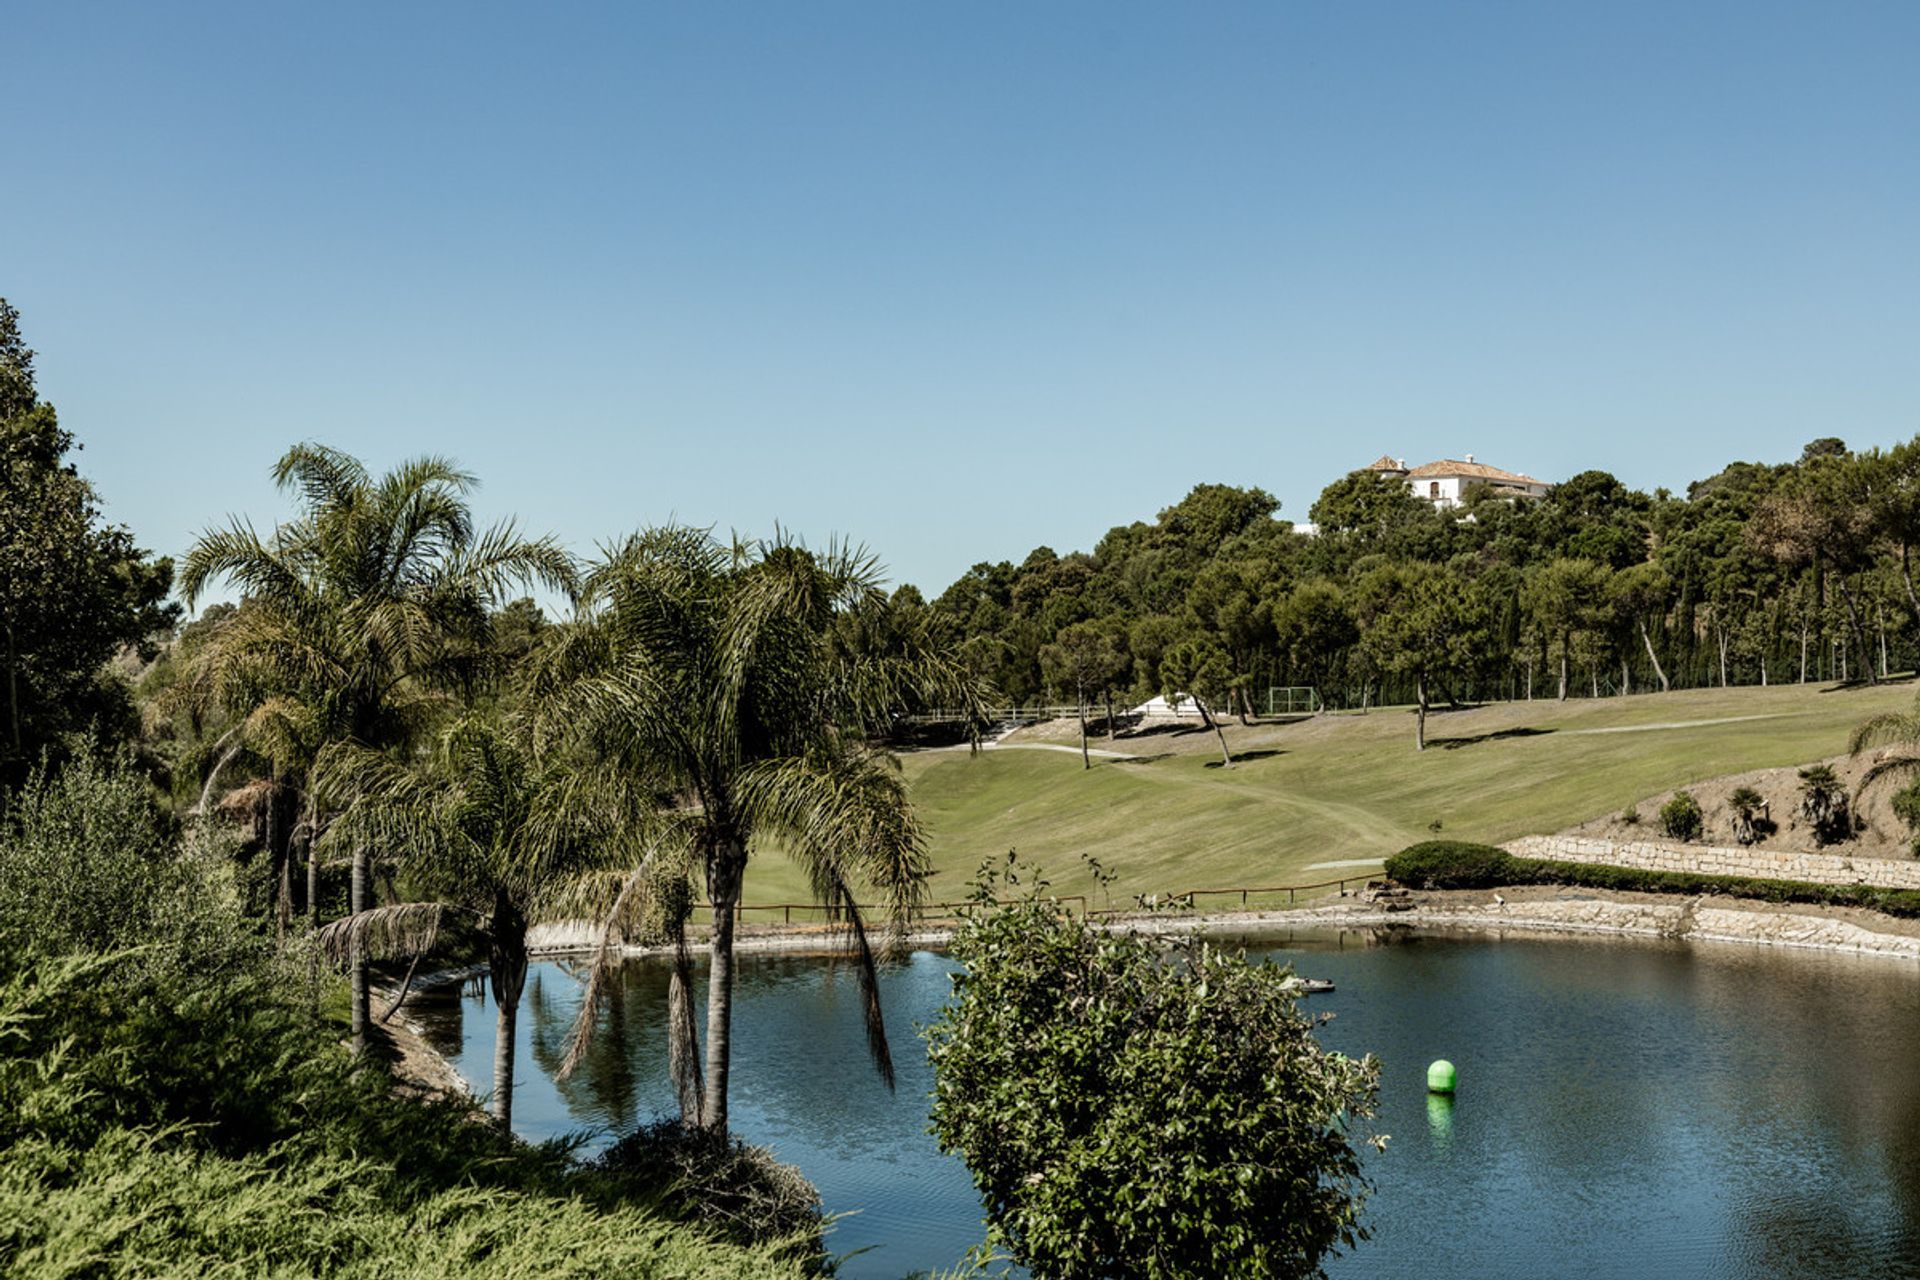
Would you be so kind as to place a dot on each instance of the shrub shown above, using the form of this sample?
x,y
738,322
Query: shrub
x,y
1904,903
174,1107
1681,818
1747,809
741,1192
1906,807
1450,864
1823,803
1131,1106
1631,815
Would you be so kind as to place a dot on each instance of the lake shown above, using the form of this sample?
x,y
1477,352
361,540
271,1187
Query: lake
x,y
1626,1108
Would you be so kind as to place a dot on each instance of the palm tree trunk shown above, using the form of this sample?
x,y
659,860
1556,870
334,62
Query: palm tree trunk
x,y
1659,671
507,968
313,863
362,886
723,891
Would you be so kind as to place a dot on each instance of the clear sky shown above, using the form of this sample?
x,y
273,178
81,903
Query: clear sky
x,y
959,279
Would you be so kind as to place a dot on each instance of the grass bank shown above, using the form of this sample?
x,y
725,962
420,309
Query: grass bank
x,y
1345,789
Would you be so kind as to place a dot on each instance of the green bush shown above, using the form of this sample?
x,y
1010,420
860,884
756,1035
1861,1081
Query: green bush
x,y
1906,807
1681,818
1823,803
1450,864
1416,869
1134,1107
741,1192
174,1108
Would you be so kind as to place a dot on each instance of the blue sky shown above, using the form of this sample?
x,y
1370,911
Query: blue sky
x,y
955,280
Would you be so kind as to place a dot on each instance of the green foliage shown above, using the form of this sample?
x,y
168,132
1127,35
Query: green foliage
x,y
1680,817
1450,864
1823,803
176,1108
1631,815
740,1192
1419,869
73,590
1132,1107
1906,807
1748,810
90,863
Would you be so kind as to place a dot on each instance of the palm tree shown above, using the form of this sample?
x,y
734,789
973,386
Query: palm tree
x,y
726,679
1897,729
490,829
360,613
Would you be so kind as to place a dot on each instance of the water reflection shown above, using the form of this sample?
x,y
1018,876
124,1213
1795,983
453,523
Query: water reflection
x,y
1626,1109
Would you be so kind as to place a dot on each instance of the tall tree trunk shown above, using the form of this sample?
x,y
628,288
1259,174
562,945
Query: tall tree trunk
x,y
1660,672
1086,760
723,891
1906,578
279,841
362,890
1112,725
1213,722
313,862
1529,679
507,968
1594,671
1763,671
13,691
1803,647
1880,623
1859,629
1420,714
1720,639
1565,644
1626,677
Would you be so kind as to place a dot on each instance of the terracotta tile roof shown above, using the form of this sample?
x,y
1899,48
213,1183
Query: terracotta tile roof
x,y
1385,463
1448,467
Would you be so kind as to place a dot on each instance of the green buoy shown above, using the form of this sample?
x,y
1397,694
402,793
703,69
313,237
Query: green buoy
x,y
1440,1077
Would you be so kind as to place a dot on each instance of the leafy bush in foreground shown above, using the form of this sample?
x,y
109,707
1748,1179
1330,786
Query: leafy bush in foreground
x,y
1134,1107
174,1108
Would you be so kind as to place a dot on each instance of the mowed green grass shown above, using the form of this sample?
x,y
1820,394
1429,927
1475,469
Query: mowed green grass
x,y
1343,787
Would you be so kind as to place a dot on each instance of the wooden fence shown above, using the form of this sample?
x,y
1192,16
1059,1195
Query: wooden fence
x,y
814,913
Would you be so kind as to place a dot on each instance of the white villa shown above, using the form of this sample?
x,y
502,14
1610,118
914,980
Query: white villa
x,y
1442,483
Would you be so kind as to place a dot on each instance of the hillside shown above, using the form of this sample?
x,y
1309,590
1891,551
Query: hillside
x,y
1324,797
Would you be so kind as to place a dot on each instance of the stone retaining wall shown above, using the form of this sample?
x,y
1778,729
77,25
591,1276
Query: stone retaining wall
x,y
1762,864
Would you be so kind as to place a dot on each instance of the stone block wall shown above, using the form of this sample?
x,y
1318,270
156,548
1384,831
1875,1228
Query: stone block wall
x,y
1761,864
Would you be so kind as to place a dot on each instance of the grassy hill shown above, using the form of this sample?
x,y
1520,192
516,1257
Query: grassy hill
x,y
1343,789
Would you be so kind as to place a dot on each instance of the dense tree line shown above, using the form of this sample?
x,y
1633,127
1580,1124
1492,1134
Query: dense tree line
x,y
1798,571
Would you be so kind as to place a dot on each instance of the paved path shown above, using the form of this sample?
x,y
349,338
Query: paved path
x,y
1686,724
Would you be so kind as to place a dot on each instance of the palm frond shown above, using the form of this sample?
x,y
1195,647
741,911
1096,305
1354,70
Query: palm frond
x,y
382,933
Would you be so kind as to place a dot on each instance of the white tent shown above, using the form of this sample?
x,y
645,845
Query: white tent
x,y
1158,708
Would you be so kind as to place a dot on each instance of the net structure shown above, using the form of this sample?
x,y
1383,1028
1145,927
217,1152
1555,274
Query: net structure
x,y
1293,700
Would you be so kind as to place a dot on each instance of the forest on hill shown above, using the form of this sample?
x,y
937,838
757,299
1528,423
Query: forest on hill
x,y
1761,573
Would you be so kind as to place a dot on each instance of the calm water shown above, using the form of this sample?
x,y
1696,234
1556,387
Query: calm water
x,y
1626,1109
